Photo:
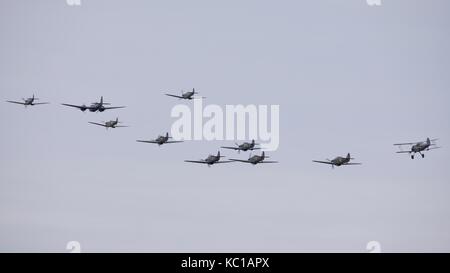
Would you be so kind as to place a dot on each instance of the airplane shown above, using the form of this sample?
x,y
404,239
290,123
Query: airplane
x,y
210,160
96,106
28,101
186,96
256,159
244,146
338,161
160,140
419,147
109,124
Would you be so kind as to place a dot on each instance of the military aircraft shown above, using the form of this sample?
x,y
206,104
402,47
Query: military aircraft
x,y
94,107
419,147
338,161
186,96
210,160
244,146
28,101
256,159
109,124
160,140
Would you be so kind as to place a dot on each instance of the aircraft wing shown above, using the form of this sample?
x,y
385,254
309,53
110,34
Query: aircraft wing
x,y
175,96
121,126
17,102
432,148
228,161
406,143
266,161
75,106
173,141
232,148
148,141
196,161
114,107
351,163
403,152
323,162
38,103
99,124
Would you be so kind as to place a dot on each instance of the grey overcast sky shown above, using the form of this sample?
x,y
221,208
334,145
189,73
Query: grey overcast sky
x,y
348,78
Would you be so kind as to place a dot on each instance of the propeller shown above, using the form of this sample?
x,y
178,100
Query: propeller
x,y
239,150
332,165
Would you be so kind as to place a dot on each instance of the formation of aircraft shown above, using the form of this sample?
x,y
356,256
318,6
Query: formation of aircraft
x,y
94,107
210,160
160,140
415,147
185,96
28,101
246,146
418,147
339,161
256,159
109,124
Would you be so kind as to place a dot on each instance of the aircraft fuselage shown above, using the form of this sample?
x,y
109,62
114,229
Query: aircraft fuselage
x,y
96,107
188,95
29,101
212,159
338,161
256,159
162,139
246,146
419,147
111,123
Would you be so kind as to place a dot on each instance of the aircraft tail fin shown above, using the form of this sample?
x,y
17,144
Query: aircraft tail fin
x,y
428,141
348,155
101,100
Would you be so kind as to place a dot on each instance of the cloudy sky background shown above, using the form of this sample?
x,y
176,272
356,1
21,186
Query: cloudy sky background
x,y
348,78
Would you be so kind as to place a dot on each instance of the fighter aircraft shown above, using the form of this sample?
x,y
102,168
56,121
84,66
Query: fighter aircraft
x,y
244,146
339,161
256,159
419,147
210,160
28,101
109,124
96,106
186,96
160,140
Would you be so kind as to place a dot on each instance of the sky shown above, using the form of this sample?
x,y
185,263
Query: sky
x,y
348,77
